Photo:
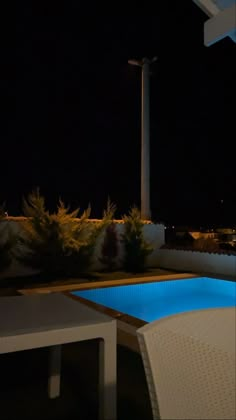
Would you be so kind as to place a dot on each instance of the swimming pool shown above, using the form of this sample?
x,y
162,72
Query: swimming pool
x,y
151,301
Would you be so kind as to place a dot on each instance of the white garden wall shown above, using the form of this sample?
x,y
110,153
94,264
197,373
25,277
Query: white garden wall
x,y
154,233
196,262
180,260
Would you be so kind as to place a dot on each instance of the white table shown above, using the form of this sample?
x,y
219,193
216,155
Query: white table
x,y
50,320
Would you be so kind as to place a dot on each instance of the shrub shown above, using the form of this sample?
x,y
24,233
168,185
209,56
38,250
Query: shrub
x,y
136,249
7,242
58,244
109,247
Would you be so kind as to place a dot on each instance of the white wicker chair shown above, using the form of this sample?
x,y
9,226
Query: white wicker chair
x,y
189,361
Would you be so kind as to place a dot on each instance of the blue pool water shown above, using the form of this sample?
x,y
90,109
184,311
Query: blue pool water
x,y
150,301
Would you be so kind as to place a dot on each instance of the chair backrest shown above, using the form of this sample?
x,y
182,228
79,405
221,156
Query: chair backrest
x,y
189,361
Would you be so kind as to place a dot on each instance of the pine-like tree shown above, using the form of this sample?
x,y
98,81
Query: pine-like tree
x,y
109,249
136,248
58,244
7,241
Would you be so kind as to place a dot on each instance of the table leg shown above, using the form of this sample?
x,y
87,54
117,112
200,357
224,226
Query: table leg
x,y
54,372
107,377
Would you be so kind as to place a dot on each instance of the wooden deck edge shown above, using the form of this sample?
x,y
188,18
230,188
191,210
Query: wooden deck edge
x,y
106,283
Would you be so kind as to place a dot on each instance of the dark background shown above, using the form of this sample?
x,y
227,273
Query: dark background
x,y
70,110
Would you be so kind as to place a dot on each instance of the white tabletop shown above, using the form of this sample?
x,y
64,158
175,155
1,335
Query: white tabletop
x,y
25,314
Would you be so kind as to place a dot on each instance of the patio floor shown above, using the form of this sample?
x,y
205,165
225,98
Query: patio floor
x,y
23,385
23,380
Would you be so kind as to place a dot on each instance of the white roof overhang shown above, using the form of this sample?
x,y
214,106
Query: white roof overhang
x,y
221,22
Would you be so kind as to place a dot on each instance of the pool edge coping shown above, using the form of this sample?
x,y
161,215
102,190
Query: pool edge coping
x,y
106,283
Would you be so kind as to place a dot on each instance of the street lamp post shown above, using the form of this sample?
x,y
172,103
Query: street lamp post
x,y
145,137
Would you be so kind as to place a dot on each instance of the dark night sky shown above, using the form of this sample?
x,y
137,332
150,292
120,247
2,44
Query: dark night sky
x,y
70,110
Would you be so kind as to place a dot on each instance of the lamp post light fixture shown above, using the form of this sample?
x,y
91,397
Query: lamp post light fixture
x,y
145,136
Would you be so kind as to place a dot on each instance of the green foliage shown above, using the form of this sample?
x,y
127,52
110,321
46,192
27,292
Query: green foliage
x,y
58,244
109,248
136,248
109,212
7,241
